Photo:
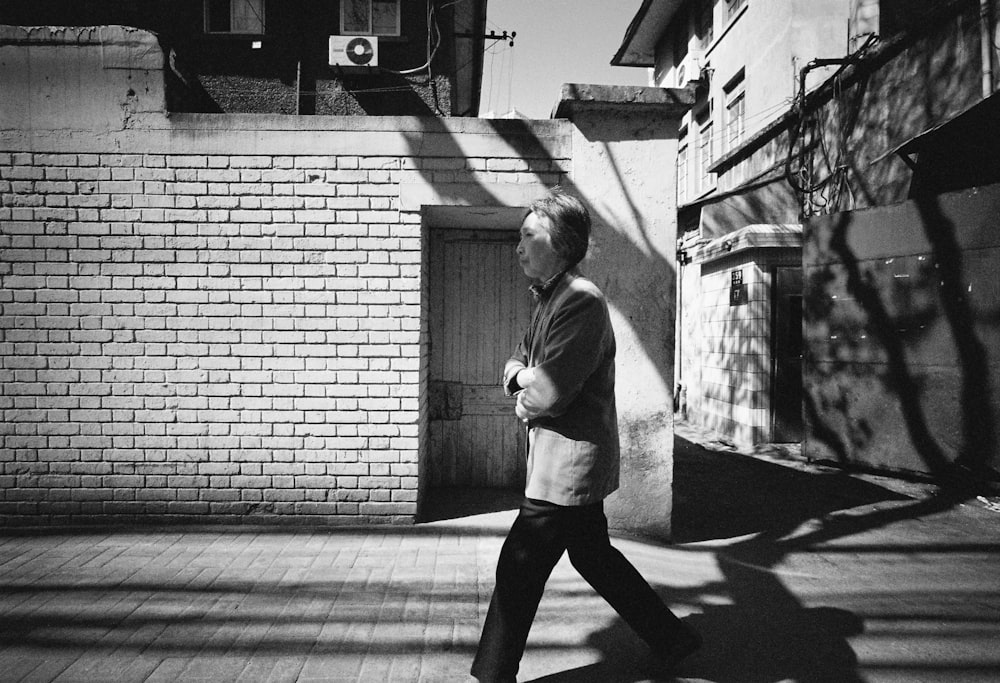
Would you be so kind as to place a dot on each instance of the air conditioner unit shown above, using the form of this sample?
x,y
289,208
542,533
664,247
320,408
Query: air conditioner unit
x,y
353,51
691,68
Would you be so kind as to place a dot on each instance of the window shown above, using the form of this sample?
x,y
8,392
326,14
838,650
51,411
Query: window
x,y
735,125
704,28
245,17
681,34
704,157
734,6
705,149
682,170
369,17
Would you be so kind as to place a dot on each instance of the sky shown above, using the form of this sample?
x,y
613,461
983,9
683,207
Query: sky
x,y
558,41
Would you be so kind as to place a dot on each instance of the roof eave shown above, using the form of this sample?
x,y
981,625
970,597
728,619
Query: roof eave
x,y
638,47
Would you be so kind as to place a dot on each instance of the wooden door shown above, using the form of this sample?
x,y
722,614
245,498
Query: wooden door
x,y
479,308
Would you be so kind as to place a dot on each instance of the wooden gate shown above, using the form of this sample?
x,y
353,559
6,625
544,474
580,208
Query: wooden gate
x,y
479,307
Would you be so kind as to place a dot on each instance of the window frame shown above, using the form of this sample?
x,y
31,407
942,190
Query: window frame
x,y
705,156
344,31
704,150
733,7
683,161
735,95
257,8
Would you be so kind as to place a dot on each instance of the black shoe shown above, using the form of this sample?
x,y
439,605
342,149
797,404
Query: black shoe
x,y
682,646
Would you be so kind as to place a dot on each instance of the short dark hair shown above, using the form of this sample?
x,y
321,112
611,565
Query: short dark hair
x,y
569,223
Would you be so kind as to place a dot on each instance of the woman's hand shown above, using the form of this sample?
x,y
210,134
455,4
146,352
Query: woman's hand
x,y
519,409
525,377
537,396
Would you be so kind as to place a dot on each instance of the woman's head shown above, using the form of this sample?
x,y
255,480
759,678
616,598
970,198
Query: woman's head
x,y
568,223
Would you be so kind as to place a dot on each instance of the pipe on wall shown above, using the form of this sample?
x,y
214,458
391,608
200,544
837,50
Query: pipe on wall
x,y
986,41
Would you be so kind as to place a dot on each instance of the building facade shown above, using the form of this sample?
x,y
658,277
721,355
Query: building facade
x,y
739,268
882,113
347,57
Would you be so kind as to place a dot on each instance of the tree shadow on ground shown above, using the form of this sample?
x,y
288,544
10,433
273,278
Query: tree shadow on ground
x,y
724,495
742,646
755,628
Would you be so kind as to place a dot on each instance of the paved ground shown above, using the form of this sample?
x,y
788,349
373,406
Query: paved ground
x,y
791,572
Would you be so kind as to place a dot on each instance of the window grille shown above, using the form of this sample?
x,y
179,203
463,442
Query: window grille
x,y
369,17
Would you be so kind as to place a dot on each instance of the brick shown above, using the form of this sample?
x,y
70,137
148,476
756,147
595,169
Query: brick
x,y
257,161
186,161
388,508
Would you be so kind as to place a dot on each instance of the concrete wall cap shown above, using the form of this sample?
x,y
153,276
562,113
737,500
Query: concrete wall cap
x,y
576,98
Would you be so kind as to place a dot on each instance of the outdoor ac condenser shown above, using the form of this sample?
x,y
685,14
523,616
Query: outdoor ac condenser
x,y
353,51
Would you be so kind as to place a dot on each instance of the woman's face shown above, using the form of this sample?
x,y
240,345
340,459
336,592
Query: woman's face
x,y
535,253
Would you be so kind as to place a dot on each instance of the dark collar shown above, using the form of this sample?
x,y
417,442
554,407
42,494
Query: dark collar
x,y
543,291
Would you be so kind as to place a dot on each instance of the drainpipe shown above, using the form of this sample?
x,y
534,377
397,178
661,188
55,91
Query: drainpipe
x,y
680,404
986,40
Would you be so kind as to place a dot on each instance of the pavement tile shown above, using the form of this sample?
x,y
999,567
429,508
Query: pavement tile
x,y
852,585
46,669
272,670
100,667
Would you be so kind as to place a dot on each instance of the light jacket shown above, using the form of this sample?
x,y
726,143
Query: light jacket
x,y
573,448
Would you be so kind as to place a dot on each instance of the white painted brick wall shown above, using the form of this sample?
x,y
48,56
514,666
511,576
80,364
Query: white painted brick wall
x,y
225,337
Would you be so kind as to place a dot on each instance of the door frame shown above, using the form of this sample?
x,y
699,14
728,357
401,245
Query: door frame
x,y
438,217
777,329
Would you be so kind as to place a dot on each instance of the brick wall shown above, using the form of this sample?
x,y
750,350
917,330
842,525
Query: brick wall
x,y
188,332
221,317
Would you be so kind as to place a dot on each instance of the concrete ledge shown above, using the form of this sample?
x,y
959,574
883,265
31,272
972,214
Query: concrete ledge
x,y
157,133
413,196
577,98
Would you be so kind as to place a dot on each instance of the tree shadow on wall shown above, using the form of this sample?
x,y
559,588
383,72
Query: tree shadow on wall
x,y
874,323
870,322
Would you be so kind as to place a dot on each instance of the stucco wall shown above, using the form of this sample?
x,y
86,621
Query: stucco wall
x,y
901,334
632,259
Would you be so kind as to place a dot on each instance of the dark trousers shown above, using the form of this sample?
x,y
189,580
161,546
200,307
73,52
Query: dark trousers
x,y
536,541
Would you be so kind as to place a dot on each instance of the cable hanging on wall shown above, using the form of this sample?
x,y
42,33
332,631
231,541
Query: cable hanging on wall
x,y
806,137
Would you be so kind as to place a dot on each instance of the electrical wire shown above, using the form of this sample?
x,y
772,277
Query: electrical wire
x,y
432,29
801,179
493,79
510,82
765,113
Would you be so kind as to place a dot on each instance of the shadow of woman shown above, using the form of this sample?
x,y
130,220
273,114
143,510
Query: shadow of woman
x,y
763,642
756,629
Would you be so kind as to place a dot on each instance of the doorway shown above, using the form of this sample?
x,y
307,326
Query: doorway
x,y
478,308
786,372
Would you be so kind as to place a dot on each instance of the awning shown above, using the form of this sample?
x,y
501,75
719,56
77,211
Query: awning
x,y
759,236
955,154
971,123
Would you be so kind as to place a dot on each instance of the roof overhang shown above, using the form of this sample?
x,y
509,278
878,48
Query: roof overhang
x,y
966,125
760,236
638,47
